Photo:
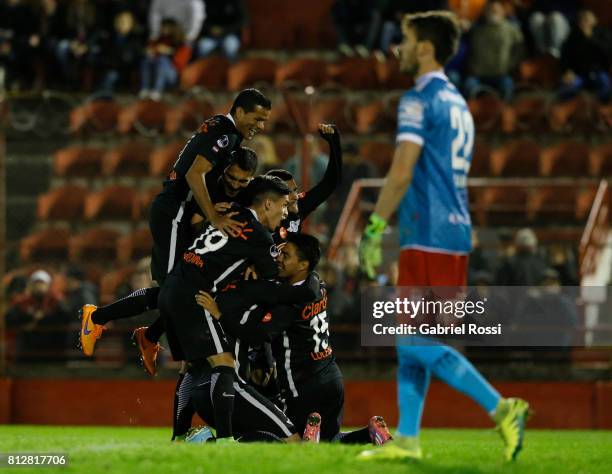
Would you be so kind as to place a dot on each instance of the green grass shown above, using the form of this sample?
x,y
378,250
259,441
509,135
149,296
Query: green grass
x,y
111,450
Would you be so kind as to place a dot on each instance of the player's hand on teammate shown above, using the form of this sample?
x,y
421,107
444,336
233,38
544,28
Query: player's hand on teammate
x,y
208,303
223,207
370,248
328,131
227,225
250,273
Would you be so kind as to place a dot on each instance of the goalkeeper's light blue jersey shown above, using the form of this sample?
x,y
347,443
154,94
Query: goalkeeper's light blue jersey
x,y
433,214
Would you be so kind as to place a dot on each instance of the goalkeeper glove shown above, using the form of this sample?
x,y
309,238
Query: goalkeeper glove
x,y
370,252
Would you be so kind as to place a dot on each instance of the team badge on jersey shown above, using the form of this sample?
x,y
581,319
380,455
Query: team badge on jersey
x,y
274,251
223,142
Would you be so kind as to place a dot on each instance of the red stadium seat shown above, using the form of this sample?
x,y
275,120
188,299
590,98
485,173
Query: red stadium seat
x,y
600,160
210,72
113,202
146,198
567,202
481,159
354,73
572,115
541,71
565,159
304,71
285,149
390,77
65,202
142,116
605,116
249,72
96,243
188,116
162,159
516,158
498,204
330,110
78,161
486,110
128,159
95,116
135,245
281,119
44,245
110,283
527,113
379,154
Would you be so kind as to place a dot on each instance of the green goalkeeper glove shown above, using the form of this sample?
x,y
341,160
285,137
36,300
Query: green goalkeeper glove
x,y
370,252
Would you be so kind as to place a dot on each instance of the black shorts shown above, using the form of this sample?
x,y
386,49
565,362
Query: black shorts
x,y
252,411
197,334
323,393
170,231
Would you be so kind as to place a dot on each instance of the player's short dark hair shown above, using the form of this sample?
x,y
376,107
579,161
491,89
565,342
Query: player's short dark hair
x,y
263,187
307,247
245,158
248,99
282,174
438,27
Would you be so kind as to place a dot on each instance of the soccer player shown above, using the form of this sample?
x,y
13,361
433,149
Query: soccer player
x,y
209,263
311,382
208,152
428,181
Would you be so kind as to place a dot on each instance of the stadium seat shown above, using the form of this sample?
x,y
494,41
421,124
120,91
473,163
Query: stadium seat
x,y
354,73
78,161
97,243
379,154
128,159
486,110
187,116
143,116
65,202
146,198
516,158
95,116
330,110
542,71
210,73
249,72
389,76
162,159
600,160
285,149
114,202
576,114
561,203
369,117
134,246
481,159
45,245
500,203
605,116
110,283
565,159
303,71
527,113
282,121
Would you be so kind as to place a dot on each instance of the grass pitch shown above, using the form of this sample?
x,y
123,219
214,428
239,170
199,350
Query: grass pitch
x,y
111,450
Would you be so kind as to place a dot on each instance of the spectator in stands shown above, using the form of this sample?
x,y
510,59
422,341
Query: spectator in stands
x,y
222,29
494,51
356,26
188,14
525,267
584,64
120,52
165,58
39,320
53,29
549,24
19,41
562,260
480,261
267,157
78,291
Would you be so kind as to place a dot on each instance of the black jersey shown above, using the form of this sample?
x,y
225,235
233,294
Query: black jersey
x,y
217,193
212,259
215,140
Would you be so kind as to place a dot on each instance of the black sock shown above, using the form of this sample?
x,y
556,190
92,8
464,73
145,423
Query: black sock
x,y
183,408
222,395
155,330
361,436
132,305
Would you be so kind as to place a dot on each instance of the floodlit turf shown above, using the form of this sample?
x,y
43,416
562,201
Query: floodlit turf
x,y
117,450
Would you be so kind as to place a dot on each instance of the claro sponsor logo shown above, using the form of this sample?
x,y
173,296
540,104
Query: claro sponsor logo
x,y
314,308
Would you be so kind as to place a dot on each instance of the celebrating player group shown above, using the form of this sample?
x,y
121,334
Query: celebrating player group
x,y
238,296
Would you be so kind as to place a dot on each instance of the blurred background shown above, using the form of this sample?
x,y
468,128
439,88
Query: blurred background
x,y
98,98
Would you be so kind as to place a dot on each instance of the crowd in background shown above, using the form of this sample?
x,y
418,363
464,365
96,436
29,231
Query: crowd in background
x,y
144,45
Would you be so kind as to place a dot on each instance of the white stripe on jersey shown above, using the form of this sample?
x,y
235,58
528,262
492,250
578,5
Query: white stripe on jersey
x,y
226,273
294,391
236,352
245,316
213,332
174,233
253,401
